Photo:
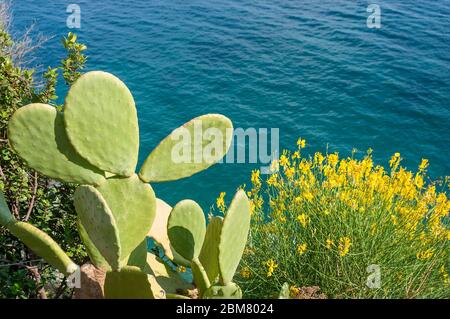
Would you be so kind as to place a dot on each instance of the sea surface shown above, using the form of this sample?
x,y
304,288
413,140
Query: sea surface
x,y
310,68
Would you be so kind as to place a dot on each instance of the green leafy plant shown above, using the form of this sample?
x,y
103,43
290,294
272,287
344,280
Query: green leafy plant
x,y
31,196
95,142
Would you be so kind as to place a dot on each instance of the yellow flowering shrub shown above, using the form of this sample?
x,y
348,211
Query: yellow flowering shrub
x,y
323,220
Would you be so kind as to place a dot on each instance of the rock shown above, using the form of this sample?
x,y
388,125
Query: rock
x,y
91,283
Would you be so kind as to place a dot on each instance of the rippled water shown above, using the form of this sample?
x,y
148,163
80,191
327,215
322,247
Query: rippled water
x,y
311,68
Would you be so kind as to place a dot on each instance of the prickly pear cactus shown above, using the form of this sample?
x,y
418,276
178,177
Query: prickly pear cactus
x,y
94,142
222,244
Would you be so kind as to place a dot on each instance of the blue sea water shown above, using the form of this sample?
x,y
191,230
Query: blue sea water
x,y
310,68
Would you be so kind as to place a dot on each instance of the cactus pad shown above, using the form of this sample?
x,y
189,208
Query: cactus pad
x,y
200,276
36,132
128,283
230,291
101,122
233,236
5,214
186,150
186,229
138,256
158,233
209,255
99,223
43,245
94,255
133,206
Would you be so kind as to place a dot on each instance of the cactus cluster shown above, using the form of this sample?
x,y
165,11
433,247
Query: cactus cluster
x,y
94,143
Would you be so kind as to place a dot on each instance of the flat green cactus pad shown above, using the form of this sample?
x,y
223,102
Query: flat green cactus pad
x,y
128,283
101,122
133,205
36,132
5,214
233,236
209,255
138,256
230,291
158,233
186,229
43,246
94,255
97,219
200,276
189,149
178,259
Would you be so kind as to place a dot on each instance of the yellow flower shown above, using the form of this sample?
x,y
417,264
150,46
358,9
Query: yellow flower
x,y
289,172
245,272
423,165
272,180
333,159
308,196
181,269
303,219
271,266
255,178
395,160
318,158
444,274
284,161
418,181
426,254
252,207
301,143
301,249
220,203
294,291
304,167
330,243
344,246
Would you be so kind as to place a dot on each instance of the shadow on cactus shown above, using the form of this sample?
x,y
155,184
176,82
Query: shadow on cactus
x,y
94,143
